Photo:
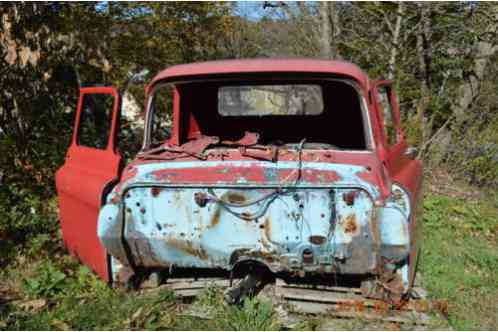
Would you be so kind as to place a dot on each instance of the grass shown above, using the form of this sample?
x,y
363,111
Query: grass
x,y
460,258
459,265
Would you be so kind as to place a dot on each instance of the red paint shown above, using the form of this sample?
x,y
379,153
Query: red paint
x,y
86,172
249,174
401,169
247,66
81,182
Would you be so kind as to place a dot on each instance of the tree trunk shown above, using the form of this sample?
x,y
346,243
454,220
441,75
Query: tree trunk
x,y
325,31
424,54
330,30
469,90
395,41
482,51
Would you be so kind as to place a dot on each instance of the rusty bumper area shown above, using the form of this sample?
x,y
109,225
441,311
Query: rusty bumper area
x,y
297,231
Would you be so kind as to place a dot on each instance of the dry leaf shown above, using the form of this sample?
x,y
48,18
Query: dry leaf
x,y
136,314
60,324
31,304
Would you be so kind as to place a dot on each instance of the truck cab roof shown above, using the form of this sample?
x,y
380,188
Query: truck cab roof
x,y
254,66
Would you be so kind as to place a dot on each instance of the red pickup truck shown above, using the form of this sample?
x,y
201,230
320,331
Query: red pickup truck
x,y
280,168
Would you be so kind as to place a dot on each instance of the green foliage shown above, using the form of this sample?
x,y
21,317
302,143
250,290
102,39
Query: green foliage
x,y
26,217
211,297
253,315
48,281
474,157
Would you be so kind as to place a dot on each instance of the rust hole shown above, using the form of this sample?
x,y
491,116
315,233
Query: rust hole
x,y
155,191
317,239
201,198
349,197
307,256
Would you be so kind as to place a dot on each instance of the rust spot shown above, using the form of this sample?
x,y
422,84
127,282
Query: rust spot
x,y
235,198
246,216
155,191
267,228
265,243
186,246
317,239
216,218
269,257
350,225
115,199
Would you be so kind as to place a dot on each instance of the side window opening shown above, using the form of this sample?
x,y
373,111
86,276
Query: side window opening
x,y
162,114
388,124
131,127
95,120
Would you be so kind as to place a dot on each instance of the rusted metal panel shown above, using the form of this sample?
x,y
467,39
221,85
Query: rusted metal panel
x,y
214,221
171,228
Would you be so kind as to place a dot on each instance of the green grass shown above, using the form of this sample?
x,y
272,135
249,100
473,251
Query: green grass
x,y
460,258
459,265
75,299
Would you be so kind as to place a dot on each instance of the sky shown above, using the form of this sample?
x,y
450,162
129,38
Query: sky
x,y
252,10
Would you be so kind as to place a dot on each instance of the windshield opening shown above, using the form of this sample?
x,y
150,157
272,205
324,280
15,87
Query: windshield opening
x,y
327,113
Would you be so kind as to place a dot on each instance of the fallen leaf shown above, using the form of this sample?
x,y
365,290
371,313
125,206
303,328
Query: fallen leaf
x,y
60,324
31,304
136,314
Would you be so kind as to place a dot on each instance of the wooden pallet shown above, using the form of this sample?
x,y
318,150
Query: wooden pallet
x,y
345,302
339,302
189,287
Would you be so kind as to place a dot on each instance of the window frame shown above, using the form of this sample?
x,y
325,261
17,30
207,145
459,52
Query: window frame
x,y
388,86
362,94
114,117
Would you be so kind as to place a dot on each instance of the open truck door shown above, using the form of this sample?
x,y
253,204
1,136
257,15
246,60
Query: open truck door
x,y
91,166
404,170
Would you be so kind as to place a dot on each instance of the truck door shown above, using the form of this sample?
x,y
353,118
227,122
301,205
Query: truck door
x,y
402,167
91,166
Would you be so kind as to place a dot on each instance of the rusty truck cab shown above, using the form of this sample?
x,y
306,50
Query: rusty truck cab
x,y
291,167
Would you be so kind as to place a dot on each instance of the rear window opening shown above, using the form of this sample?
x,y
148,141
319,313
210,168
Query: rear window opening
x,y
264,100
328,113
